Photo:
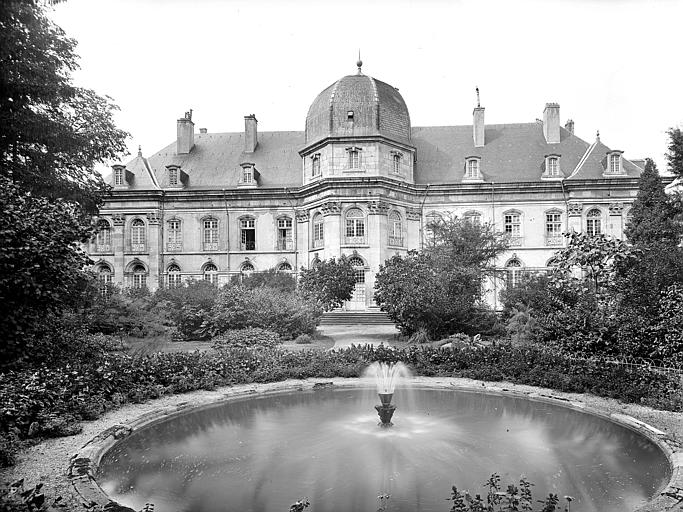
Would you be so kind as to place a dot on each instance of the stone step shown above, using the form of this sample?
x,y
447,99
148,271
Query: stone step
x,y
355,318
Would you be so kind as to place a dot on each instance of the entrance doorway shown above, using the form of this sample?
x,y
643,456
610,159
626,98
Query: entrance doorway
x,y
357,301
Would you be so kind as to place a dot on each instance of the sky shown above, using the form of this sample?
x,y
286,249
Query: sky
x,y
612,65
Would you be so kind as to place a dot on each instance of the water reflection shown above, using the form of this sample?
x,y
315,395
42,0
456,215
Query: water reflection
x,y
264,453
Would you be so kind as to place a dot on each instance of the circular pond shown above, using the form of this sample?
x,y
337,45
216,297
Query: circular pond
x,y
262,453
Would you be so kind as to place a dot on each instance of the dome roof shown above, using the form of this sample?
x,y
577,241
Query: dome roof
x,y
358,105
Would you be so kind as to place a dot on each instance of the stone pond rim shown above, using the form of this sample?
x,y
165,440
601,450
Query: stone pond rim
x,y
83,465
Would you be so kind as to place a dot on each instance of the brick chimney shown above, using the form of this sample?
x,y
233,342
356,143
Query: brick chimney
x,y
250,133
551,123
569,126
478,127
185,134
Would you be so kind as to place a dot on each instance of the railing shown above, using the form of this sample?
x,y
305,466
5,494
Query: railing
x,y
285,245
248,246
554,241
355,240
174,246
210,246
138,247
318,243
396,241
102,248
515,241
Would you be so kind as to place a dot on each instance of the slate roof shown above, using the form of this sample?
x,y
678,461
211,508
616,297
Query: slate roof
x,y
512,153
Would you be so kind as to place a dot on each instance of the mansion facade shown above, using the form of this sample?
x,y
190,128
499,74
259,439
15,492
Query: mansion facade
x,y
359,181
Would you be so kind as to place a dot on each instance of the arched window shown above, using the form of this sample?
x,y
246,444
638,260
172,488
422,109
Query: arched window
x,y
514,272
594,222
138,236
174,278
284,234
248,234
395,229
247,269
397,164
175,236
359,268
139,276
473,218
210,234
284,267
104,274
318,230
355,226
210,272
315,165
103,238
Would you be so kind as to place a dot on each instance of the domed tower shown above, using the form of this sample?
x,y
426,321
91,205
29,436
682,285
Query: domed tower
x,y
358,126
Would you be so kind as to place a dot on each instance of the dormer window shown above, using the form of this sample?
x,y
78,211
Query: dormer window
x,y
553,168
614,164
118,176
349,115
248,176
472,168
315,165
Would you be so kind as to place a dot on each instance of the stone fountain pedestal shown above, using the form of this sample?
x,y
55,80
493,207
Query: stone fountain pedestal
x,y
385,409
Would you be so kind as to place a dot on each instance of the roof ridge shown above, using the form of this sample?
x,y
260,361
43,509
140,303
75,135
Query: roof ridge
x,y
583,159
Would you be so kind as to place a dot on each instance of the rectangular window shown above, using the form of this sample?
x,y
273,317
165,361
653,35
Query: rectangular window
x,y
553,224
318,234
139,281
593,227
118,176
248,235
173,177
284,234
473,168
355,227
354,159
211,235
175,236
553,167
397,164
247,175
513,226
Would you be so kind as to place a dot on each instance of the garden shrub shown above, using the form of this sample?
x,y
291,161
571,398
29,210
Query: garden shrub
x,y
188,307
303,339
421,335
285,313
249,337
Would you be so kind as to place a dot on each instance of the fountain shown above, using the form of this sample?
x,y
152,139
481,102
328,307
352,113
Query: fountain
x,y
386,377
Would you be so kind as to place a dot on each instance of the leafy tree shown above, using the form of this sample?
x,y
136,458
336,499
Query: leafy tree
x,y
189,306
328,282
439,289
674,156
52,133
40,260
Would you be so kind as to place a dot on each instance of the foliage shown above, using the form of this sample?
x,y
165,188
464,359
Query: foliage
x,y
189,306
249,337
52,133
674,156
420,336
270,278
285,313
303,339
47,400
40,261
513,499
440,288
328,282
521,323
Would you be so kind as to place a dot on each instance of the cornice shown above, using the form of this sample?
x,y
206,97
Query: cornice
x,y
356,138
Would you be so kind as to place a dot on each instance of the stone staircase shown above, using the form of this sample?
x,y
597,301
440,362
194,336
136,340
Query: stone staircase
x,y
339,317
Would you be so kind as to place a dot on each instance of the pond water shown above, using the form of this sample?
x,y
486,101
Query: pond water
x,y
264,452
